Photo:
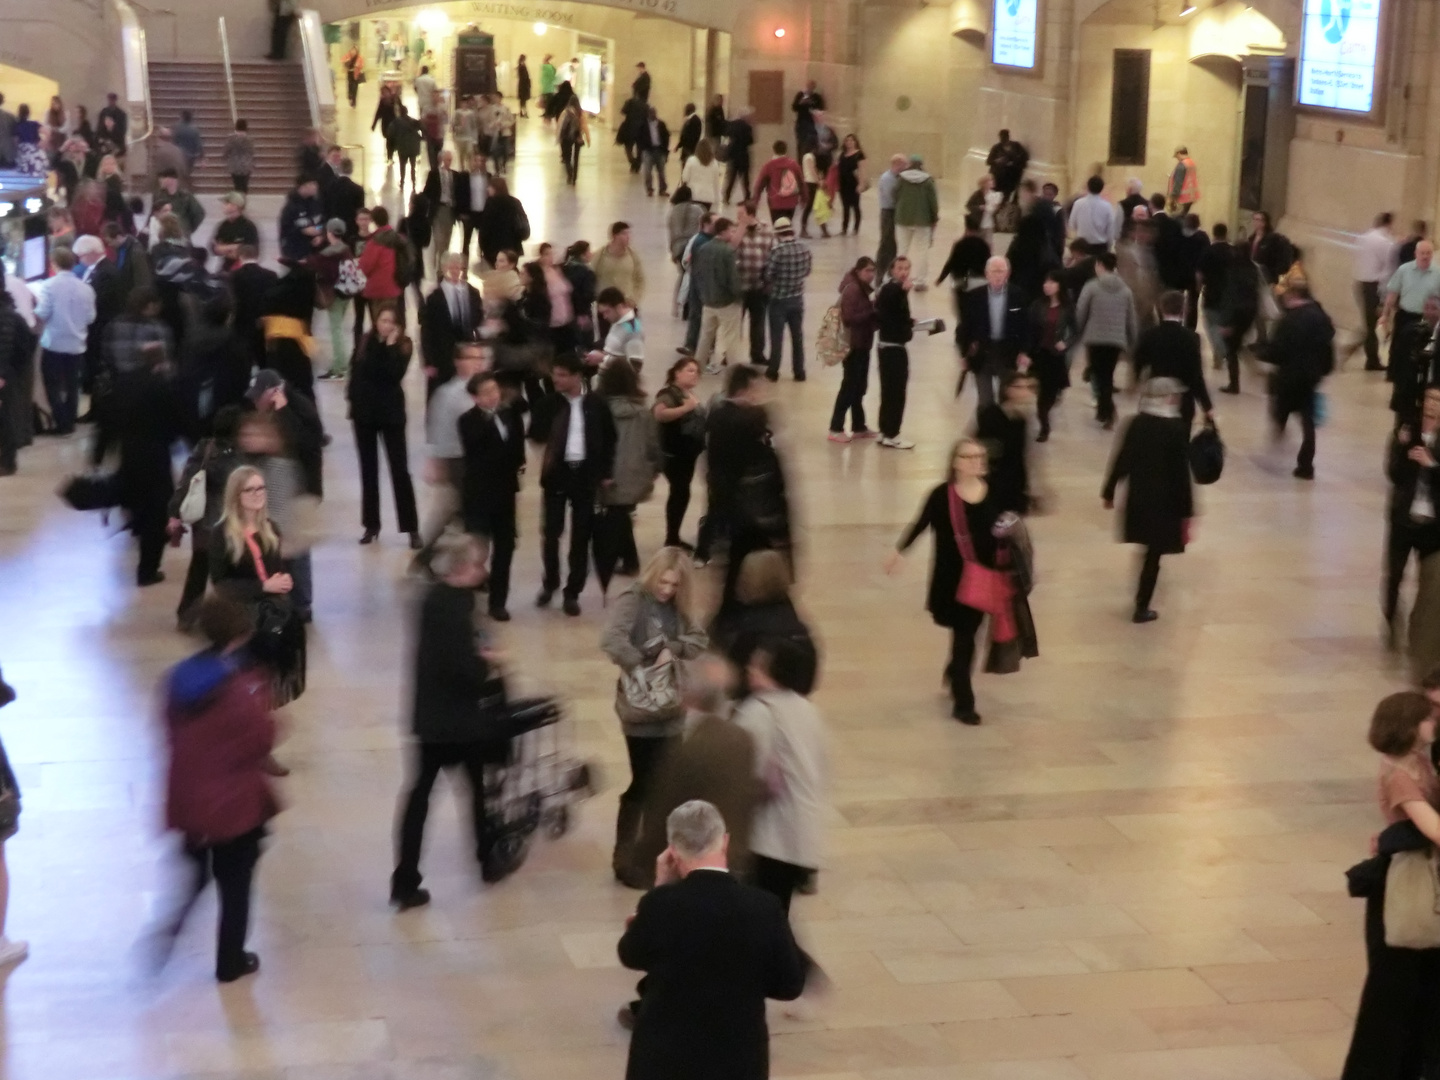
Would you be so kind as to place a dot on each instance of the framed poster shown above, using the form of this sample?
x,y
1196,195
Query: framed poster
x,y
1339,56
1014,33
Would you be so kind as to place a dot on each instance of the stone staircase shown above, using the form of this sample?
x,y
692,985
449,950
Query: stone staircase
x,y
270,95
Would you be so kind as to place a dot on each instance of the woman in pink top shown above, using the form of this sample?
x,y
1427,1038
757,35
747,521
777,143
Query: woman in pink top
x,y
1397,1027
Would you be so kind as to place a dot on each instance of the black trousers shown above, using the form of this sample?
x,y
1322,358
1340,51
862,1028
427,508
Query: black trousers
x,y
850,200
1050,373
280,36
569,487
1368,293
756,303
430,758
894,375
1149,575
1397,1026
241,182
646,753
962,657
679,474
1234,341
1297,399
854,381
232,865
367,444
149,521
197,578
810,190
570,158
1399,543
1103,359
61,374
8,441
501,534
779,879
361,307
738,169
407,160
885,254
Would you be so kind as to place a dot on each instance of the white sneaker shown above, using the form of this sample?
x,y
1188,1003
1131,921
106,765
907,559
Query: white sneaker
x,y
713,368
12,952
897,443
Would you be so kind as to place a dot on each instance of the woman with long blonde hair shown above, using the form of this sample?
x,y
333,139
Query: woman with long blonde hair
x,y
651,628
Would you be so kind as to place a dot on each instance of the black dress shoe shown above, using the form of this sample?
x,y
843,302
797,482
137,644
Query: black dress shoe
x,y
499,614
1044,435
370,536
572,605
800,377
626,1017
149,579
415,542
970,717
1303,474
249,965
406,901
1229,389
1145,615
544,598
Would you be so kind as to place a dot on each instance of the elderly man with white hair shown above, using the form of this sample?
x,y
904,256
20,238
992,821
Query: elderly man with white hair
x,y
713,949
993,329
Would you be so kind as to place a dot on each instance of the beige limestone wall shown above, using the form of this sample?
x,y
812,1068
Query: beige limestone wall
x,y
1194,103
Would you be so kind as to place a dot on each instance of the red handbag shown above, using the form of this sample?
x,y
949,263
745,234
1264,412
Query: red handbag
x,y
981,587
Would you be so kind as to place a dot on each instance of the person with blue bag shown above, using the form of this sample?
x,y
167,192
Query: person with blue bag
x,y
1302,350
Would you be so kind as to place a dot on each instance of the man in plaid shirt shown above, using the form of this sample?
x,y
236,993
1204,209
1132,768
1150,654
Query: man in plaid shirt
x,y
786,269
750,257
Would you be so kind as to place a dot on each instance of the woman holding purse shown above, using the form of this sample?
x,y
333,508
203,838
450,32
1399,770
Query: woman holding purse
x,y
651,627
964,515
377,410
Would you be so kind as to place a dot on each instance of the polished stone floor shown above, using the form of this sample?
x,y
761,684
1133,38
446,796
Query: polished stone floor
x,y
1133,869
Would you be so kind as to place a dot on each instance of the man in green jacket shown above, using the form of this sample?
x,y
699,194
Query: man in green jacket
x,y
715,279
917,212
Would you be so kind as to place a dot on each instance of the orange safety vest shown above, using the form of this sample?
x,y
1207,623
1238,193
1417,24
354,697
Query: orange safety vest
x,y
1189,186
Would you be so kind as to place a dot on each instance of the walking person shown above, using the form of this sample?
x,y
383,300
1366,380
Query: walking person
x,y
787,268
1240,310
1106,322
219,734
239,155
1414,524
652,139
701,173
65,310
444,449
692,130
1211,277
917,212
1407,289
1153,462
992,331
572,134
1004,428
681,419
216,457
781,183
886,190
618,266
752,254
715,282
713,950
456,690
522,86
739,137
492,441
637,457
578,435
1302,350
857,312
651,628
964,516
1051,331
283,14
377,412
1170,350
852,181
451,316
1397,1023
894,328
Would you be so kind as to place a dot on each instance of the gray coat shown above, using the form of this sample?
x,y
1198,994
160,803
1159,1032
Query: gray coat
x,y
638,629
637,453
1105,314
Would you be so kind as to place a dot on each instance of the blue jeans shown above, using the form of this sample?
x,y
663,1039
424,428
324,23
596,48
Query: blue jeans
x,y
787,311
61,375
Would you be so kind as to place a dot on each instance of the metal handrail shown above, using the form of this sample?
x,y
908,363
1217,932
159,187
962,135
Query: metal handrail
x,y
308,61
229,74
132,32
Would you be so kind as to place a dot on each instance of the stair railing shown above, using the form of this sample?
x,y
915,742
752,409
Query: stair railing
x,y
136,55
315,60
229,73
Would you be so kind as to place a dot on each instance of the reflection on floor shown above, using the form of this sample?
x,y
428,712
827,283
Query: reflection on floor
x,y
1133,869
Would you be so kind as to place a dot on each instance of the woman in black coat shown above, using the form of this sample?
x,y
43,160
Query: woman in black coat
x,y
968,488
582,292
503,224
377,409
1154,462
1051,329
765,614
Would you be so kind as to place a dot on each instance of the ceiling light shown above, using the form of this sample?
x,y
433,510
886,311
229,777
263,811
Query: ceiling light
x,y
779,31
540,29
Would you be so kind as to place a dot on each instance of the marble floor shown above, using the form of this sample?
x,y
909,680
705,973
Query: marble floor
x,y
1132,869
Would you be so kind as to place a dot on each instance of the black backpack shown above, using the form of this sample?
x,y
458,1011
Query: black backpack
x,y
1207,454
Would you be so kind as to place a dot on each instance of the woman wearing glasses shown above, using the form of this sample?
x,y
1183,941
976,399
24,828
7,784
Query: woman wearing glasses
x,y
965,516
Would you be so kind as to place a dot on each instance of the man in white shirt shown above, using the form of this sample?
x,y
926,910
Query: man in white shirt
x,y
626,339
479,192
425,92
1374,266
440,192
1093,218
445,456
66,310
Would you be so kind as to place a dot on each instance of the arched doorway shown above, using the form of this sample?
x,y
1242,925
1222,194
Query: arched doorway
x,y
22,87
1194,63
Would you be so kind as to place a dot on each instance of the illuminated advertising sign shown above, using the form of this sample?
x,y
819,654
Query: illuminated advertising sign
x,y
1338,51
1013,31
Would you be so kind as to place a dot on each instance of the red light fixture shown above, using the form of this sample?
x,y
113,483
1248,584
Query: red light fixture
x,y
779,31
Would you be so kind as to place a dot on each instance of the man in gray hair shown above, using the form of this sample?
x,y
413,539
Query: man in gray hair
x,y
1154,463
713,950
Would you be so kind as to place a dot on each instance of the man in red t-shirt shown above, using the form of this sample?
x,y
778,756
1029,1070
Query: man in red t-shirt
x,y
781,183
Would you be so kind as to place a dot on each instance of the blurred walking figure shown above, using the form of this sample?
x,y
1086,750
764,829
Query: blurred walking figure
x,y
218,797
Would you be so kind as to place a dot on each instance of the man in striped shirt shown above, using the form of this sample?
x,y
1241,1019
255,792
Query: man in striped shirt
x,y
751,255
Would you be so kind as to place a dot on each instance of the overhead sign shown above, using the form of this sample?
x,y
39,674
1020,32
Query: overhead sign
x,y
1013,30
1338,50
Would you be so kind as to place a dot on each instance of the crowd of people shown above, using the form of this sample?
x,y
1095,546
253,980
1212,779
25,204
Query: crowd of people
x,y
158,342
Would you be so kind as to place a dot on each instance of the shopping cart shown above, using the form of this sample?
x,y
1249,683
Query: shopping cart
x,y
537,788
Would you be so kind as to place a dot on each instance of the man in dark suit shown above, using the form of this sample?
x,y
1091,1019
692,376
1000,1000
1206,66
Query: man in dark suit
x,y
493,440
691,132
250,287
1169,350
344,198
447,192
652,139
992,332
713,950
452,314
98,271
578,434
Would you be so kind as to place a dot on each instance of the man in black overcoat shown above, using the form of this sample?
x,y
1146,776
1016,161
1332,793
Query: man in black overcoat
x,y
494,442
1170,351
